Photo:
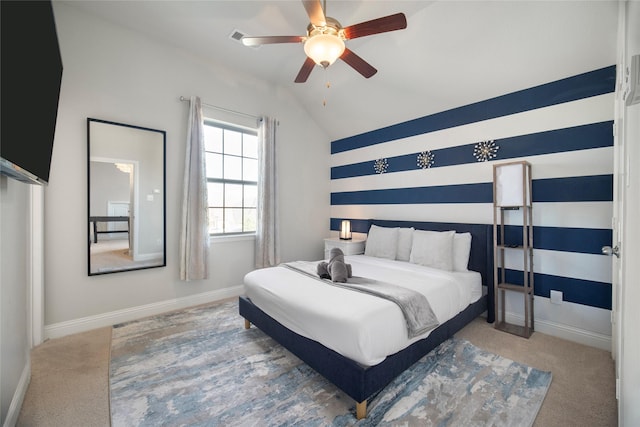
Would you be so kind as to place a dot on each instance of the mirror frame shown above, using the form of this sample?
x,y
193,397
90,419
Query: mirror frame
x,y
163,195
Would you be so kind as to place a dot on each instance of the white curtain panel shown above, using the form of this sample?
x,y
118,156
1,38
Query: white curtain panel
x,y
267,238
194,231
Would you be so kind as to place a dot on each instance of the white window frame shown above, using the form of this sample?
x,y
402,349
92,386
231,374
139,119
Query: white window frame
x,y
235,235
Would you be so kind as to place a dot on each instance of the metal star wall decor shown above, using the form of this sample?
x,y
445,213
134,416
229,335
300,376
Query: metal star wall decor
x,y
485,151
425,159
380,165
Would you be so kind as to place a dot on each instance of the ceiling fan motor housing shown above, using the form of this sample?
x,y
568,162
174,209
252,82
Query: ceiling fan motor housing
x,y
332,26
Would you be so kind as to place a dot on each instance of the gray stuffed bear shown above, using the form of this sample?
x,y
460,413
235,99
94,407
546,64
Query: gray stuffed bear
x,y
335,269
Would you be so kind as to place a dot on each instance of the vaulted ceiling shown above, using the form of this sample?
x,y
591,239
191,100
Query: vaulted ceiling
x,y
452,53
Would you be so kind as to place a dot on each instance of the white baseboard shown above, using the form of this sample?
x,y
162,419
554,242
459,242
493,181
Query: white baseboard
x,y
57,330
569,333
18,396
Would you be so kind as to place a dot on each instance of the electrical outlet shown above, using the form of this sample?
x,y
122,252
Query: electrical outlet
x,y
556,297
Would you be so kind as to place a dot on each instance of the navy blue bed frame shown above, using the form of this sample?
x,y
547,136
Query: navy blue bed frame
x,y
360,382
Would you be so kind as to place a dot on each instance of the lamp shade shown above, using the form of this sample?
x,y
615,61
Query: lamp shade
x,y
345,230
324,49
511,184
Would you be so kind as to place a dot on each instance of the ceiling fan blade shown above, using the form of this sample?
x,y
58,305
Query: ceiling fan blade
x,y
315,12
376,26
358,64
304,72
256,41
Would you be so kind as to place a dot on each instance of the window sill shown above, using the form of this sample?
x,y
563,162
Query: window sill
x,y
231,238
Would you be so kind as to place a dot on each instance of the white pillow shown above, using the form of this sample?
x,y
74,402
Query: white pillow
x,y
461,251
433,249
405,241
382,242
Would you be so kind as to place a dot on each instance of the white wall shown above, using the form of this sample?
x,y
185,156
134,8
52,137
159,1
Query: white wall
x,y
114,74
14,285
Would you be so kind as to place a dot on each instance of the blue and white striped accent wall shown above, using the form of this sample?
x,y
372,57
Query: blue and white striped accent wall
x,y
439,168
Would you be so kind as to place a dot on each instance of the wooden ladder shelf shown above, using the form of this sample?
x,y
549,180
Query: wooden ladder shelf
x,y
511,197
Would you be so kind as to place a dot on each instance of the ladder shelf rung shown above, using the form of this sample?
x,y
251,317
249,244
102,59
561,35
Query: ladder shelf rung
x,y
514,247
517,288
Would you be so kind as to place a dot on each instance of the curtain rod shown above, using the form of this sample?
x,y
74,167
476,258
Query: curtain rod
x,y
183,98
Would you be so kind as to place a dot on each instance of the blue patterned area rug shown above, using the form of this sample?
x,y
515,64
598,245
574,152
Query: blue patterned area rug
x,y
200,367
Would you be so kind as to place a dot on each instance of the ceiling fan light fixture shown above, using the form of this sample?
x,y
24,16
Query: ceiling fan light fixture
x,y
324,49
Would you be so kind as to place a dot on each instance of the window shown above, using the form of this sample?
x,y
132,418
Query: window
x,y
231,155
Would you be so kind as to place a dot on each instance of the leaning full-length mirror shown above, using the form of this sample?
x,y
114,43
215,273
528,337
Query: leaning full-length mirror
x,y
126,186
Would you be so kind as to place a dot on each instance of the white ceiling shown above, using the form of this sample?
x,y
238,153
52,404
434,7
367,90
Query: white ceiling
x,y
452,53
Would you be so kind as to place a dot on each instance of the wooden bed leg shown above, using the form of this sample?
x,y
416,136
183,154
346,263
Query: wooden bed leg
x,y
247,324
361,409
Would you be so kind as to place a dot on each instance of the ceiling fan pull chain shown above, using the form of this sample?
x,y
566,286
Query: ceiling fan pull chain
x,y
324,101
328,86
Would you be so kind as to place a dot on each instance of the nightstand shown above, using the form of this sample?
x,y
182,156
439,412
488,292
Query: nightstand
x,y
349,247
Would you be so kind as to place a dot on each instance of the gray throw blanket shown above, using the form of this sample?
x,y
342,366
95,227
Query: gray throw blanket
x,y
415,307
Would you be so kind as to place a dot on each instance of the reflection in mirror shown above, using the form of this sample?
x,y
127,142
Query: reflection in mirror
x,y
126,204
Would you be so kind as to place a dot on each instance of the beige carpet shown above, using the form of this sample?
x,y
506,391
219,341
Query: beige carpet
x,y
69,384
583,389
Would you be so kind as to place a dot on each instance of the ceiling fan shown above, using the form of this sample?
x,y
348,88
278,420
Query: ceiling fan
x,y
324,42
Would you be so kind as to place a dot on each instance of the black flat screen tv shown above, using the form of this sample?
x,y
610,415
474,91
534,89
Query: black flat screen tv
x,y
31,75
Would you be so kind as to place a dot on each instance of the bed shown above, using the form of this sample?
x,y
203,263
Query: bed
x,y
363,373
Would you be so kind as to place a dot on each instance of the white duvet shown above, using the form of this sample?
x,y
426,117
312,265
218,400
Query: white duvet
x,y
359,326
